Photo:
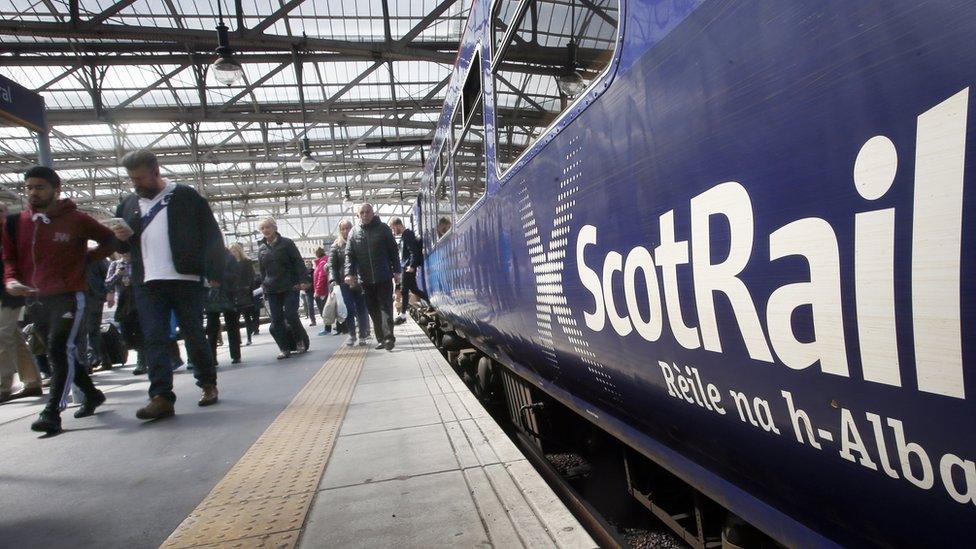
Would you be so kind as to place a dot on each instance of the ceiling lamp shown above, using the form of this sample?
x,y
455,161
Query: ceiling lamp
x,y
570,82
226,69
307,162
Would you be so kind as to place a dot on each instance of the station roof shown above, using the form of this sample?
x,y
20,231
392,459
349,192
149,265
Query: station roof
x,y
118,76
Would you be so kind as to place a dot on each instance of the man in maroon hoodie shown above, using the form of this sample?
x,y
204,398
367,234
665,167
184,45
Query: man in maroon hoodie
x,y
45,261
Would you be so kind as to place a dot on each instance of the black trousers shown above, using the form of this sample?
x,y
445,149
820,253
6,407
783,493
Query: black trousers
x,y
408,284
59,319
308,300
379,303
232,323
252,320
286,327
93,333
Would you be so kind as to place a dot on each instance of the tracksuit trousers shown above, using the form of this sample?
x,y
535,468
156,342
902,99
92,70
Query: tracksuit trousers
x,y
59,319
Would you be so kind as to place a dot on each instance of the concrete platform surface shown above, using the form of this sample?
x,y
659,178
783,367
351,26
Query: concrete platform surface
x,y
113,481
419,463
341,447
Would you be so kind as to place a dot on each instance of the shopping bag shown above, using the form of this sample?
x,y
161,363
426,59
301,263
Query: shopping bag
x,y
329,311
341,311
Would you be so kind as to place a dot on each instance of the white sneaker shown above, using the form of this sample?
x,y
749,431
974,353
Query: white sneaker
x,y
351,341
363,341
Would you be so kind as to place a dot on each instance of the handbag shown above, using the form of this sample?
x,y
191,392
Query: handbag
x,y
218,302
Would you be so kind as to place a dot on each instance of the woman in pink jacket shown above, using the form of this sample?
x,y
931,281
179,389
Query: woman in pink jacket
x,y
320,284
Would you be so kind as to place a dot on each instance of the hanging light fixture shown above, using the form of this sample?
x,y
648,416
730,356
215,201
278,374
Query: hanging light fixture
x,y
305,161
570,82
226,69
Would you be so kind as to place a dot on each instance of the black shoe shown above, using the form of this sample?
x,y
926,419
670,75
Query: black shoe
x,y
48,422
389,344
284,355
399,320
23,393
140,370
248,343
235,361
382,345
88,407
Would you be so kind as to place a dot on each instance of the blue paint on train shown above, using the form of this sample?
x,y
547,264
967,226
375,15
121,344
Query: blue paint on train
x,y
716,258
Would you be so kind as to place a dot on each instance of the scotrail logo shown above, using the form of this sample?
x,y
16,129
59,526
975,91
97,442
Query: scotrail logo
x,y
936,250
548,257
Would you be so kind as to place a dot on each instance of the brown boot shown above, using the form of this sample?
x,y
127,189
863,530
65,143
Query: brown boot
x,y
209,395
158,408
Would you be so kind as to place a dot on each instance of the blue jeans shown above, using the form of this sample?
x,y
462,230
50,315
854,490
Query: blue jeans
x,y
286,327
356,312
157,301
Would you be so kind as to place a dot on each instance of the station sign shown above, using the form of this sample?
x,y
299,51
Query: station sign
x,y
21,106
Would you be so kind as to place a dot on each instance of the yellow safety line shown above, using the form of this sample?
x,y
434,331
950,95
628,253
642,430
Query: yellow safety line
x,y
264,498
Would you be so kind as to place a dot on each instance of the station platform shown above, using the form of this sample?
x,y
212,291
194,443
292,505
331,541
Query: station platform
x,y
340,447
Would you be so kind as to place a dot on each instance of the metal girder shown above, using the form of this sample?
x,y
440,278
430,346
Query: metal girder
x,y
109,12
194,40
426,21
173,114
273,18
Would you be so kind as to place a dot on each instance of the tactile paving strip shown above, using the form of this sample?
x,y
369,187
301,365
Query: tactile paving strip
x,y
264,498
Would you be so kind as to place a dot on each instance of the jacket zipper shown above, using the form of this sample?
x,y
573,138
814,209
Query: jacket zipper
x,y
369,252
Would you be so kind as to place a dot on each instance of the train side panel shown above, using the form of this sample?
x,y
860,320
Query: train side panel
x,y
751,257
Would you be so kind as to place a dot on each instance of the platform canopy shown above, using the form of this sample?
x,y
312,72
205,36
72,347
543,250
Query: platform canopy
x,y
118,76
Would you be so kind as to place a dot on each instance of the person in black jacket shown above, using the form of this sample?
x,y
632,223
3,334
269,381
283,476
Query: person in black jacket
x,y
243,297
372,260
283,276
175,243
232,316
411,257
352,297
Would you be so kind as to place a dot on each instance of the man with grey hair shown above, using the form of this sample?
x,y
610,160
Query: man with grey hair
x,y
175,243
372,260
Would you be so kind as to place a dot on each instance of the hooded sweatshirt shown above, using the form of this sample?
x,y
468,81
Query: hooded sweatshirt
x,y
51,249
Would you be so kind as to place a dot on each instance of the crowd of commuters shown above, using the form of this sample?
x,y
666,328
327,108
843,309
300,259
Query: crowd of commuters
x,y
169,273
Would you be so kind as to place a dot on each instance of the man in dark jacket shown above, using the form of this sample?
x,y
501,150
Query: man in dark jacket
x,y
175,243
282,276
46,260
371,260
411,257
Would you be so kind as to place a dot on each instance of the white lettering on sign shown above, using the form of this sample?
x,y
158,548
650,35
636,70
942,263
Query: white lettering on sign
x,y
935,275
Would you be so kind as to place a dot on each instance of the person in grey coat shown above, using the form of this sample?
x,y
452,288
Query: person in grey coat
x,y
372,260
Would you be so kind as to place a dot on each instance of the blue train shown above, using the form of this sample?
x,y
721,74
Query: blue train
x,y
738,236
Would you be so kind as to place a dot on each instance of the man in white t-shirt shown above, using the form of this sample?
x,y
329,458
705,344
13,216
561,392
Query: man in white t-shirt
x,y
175,244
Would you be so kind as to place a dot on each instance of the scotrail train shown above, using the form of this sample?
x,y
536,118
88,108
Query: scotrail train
x,y
737,236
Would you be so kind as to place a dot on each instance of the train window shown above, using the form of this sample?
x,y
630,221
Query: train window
x,y
469,149
469,162
556,51
443,205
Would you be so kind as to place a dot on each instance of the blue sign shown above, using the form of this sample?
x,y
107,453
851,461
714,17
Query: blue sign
x,y
21,106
